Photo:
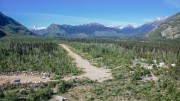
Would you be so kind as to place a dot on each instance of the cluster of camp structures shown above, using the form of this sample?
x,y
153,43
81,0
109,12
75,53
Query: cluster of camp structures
x,y
142,63
44,75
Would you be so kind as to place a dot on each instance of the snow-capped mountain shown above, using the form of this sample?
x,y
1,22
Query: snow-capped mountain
x,y
92,29
157,20
150,25
134,29
92,24
123,27
117,27
131,26
170,28
37,28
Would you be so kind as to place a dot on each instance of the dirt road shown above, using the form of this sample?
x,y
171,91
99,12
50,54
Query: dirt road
x,y
91,71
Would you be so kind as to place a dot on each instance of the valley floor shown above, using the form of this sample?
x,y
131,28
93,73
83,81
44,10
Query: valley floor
x,y
91,72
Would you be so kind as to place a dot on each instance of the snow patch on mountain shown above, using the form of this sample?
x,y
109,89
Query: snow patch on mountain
x,y
158,19
117,27
38,28
131,26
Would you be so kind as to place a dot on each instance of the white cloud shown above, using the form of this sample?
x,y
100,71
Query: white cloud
x,y
174,3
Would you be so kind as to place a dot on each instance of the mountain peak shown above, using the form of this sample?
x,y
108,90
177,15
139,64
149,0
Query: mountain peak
x,y
38,28
158,19
131,26
1,14
117,27
93,24
170,28
9,26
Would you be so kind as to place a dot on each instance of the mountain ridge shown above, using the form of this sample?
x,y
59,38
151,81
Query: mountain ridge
x,y
96,29
9,26
169,29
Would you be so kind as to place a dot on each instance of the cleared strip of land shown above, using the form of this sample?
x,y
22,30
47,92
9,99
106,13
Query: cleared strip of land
x,y
91,72
23,79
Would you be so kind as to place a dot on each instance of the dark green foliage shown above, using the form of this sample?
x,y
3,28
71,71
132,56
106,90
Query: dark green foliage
x,y
1,94
119,56
2,34
11,95
111,56
40,94
139,72
25,92
39,56
64,86
167,51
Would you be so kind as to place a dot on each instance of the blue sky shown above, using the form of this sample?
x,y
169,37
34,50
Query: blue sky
x,y
109,12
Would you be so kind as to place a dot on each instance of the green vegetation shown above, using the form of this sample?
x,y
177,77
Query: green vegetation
x,y
19,93
35,55
126,59
129,61
128,83
123,53
111,56
64,86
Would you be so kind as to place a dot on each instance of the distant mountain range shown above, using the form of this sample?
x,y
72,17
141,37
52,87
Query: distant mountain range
x,y
95,29
143,28
8,26
160,28
86,30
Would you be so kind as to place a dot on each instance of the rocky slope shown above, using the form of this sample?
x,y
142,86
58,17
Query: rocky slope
x,y
169,29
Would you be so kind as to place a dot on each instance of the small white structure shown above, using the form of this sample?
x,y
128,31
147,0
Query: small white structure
x,y
46,75
173,65
60,98
150,67
161,64
155,61
73,77
143,59
131,71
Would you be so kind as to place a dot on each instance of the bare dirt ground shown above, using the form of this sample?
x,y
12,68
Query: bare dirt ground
x,y
81,93
91,72
23,79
